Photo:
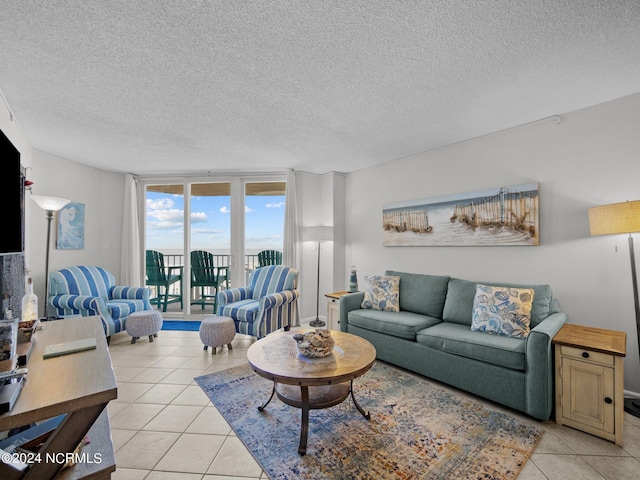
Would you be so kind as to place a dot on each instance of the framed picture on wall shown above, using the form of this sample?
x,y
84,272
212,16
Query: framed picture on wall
x,y
497,216
71,227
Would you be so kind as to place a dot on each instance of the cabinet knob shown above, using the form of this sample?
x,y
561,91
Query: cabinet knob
x,y
585,354
608,400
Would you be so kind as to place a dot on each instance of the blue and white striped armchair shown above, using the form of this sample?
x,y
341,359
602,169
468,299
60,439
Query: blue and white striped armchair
x,y
90,291
269,303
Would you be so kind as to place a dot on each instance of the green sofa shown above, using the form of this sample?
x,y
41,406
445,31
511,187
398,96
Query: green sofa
x,y
431,335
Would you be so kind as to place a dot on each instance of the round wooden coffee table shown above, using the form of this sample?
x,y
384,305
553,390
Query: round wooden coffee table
x,y
323,382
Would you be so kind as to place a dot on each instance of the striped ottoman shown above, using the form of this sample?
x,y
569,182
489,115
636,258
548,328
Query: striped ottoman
x,y
143,323
217,332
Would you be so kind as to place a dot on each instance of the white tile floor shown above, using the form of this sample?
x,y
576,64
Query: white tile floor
x,y
164,427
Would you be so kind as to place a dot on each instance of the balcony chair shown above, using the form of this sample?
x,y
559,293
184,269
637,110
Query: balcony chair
x,y
162,277
269,257
87,291
205,275
269,303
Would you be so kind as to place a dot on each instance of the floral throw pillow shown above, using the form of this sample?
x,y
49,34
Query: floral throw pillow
x,y
502,310
382,293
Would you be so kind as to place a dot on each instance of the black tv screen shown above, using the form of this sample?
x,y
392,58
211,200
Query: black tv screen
x,y
12,194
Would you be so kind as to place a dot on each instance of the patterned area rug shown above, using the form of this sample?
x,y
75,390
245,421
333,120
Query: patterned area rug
x,y
418,430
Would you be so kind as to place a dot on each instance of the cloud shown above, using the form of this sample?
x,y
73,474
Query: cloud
x,y
206,231
159,204
198,217
226,209
275,205
174,215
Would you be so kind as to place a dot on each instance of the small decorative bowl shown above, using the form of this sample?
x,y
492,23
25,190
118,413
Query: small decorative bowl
x,y
315,344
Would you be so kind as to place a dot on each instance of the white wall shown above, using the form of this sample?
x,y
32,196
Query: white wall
x,y
102,194
321,202
591,158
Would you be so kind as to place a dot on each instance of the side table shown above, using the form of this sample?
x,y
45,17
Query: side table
x,y
589,380
333,309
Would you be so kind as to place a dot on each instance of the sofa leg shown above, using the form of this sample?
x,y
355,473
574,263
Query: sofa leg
x,y
108,340
151,338
133,340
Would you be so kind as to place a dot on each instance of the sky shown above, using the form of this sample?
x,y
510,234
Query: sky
x,y
211,222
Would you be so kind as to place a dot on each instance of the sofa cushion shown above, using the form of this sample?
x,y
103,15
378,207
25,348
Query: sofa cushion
x,y
502,310
458,306
423,294
124,307
381,293
458,339
241,311
398,324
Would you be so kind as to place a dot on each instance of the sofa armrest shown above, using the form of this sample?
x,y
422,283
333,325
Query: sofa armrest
x,y
233,295
348,303
539,365
77,304
277,299
131,293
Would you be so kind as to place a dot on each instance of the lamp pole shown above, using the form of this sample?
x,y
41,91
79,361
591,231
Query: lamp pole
x,y
317,322
633,405
49,205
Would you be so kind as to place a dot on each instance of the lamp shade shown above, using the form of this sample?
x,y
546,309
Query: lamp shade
x,y
50,203
615,218
317,233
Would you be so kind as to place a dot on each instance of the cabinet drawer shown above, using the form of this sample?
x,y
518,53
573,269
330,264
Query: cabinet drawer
x,y
587,355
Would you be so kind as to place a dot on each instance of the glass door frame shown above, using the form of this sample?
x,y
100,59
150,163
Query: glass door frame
x,y
237,222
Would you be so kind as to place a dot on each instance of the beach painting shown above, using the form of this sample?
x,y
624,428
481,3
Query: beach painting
x,y
497,216
71,227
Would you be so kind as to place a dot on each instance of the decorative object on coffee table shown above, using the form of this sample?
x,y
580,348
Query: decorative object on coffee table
x,y
618,218
217,332
315,344
144,323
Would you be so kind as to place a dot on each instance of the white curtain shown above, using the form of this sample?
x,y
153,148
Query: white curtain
x,y
130,267
291,247
291,254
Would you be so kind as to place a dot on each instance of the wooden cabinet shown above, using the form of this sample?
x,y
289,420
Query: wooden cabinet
x,y
79,385
589,380
333,309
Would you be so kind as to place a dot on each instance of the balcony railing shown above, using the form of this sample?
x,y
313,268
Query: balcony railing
x,y
250,264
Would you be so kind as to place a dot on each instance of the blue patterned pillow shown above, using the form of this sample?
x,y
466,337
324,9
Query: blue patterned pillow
x,y
382,293
502,310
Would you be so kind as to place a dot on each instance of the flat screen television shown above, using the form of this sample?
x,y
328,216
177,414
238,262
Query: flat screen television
x,y
12,195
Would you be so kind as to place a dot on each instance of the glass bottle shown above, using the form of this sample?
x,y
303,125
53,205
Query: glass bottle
x,y
353,280
29,303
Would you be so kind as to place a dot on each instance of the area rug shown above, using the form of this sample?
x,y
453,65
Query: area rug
x,y
189,326
418,430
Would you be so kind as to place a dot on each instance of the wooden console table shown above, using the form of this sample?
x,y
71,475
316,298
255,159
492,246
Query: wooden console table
x,y
80,385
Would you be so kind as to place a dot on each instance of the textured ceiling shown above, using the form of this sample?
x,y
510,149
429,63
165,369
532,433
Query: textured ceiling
x,y
164,86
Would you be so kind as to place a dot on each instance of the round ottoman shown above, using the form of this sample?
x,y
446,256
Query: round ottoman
x,y
217,332
143,323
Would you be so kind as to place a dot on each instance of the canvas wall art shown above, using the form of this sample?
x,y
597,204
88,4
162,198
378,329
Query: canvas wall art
x,y
498,216
71,227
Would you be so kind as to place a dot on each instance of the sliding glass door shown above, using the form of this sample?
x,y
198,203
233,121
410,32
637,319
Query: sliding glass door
x,y
229,223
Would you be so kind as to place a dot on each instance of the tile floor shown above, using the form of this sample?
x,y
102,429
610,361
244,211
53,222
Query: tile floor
x,y
164,427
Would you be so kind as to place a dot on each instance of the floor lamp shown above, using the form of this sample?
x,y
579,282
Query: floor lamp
x,y
49,205
618,218
318,234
